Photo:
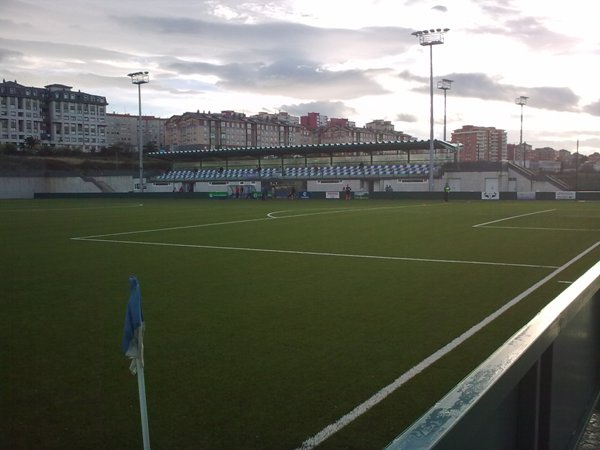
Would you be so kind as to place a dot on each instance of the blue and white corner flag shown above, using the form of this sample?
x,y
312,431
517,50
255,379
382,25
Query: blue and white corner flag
x,y
133,336
133,347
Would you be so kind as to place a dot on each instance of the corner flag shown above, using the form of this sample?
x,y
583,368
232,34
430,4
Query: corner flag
x,y
133,347
133,336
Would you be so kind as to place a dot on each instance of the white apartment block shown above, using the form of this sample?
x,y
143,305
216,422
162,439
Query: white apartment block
x,y
77,119
231,129
122,129
21,113
55,116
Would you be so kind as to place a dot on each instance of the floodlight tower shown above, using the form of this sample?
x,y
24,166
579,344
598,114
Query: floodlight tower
x,y
522,100
445,85
140,78
430,38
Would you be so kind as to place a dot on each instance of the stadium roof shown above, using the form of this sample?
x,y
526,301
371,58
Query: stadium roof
x,y
194,152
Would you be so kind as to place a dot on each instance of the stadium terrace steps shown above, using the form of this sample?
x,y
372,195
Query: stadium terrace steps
x,y
312,172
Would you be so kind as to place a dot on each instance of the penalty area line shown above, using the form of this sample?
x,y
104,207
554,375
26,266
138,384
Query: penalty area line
x,y
512,217
361,409
274,214
270,216
155,230
309,253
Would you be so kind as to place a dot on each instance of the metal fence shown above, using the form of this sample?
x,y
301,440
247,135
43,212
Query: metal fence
x,y
537,391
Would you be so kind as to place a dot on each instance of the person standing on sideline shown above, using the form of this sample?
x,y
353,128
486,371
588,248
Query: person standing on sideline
x,y
446,192
348,192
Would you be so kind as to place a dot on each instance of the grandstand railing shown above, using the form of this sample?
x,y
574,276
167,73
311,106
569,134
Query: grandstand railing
x,y
537,391
367,171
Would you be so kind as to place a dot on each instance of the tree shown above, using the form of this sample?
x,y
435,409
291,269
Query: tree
x,y
31,143
150,147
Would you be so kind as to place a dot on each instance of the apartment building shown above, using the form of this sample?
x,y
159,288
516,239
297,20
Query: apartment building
x,y
480,143
314,120
519,152
55,116
337,132
383,130
231,129
122,130
281,129
21,113
75,119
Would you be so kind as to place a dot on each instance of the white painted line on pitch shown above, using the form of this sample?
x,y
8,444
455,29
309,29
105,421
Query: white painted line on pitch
x,y
542,228
512,217
270,216
333,428
273,214
172,228
299,252
70,209
565,282
337,211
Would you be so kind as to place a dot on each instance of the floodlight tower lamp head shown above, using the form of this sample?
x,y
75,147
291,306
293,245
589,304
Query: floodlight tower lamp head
x,y
432,36
139,77
522,100
444,84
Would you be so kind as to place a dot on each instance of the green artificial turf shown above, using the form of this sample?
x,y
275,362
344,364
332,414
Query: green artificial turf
x,y
265,321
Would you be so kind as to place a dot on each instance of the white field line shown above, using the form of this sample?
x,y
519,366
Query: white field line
x,y
274,215
270,216
298,252
406,376
70,209
543,228
123,233
512,217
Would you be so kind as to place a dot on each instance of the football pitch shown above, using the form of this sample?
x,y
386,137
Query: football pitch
x,y
269,324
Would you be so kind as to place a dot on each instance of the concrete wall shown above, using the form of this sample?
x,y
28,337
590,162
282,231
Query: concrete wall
x,y
118,183
507,181
26,187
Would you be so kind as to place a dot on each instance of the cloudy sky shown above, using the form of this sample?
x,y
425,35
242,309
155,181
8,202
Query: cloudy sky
x,y
354,59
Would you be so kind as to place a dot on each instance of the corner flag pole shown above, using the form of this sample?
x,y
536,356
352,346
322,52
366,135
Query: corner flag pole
x,y
143,409
133,347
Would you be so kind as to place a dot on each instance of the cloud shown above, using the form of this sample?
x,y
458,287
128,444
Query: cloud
x,y
329,109
57,51
534,34
531,31
440,8
497,9
266,41
553,98
482,86
593,108
6,54
408,118
294,78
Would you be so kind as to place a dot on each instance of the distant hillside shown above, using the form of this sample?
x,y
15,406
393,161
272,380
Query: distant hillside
x,y
15,165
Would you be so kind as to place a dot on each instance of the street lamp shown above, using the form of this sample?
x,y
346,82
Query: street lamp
x,y
430,38
522,100
445,85
140,78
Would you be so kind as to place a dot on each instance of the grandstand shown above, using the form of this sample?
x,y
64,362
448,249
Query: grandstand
x,y
366,166
304,173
